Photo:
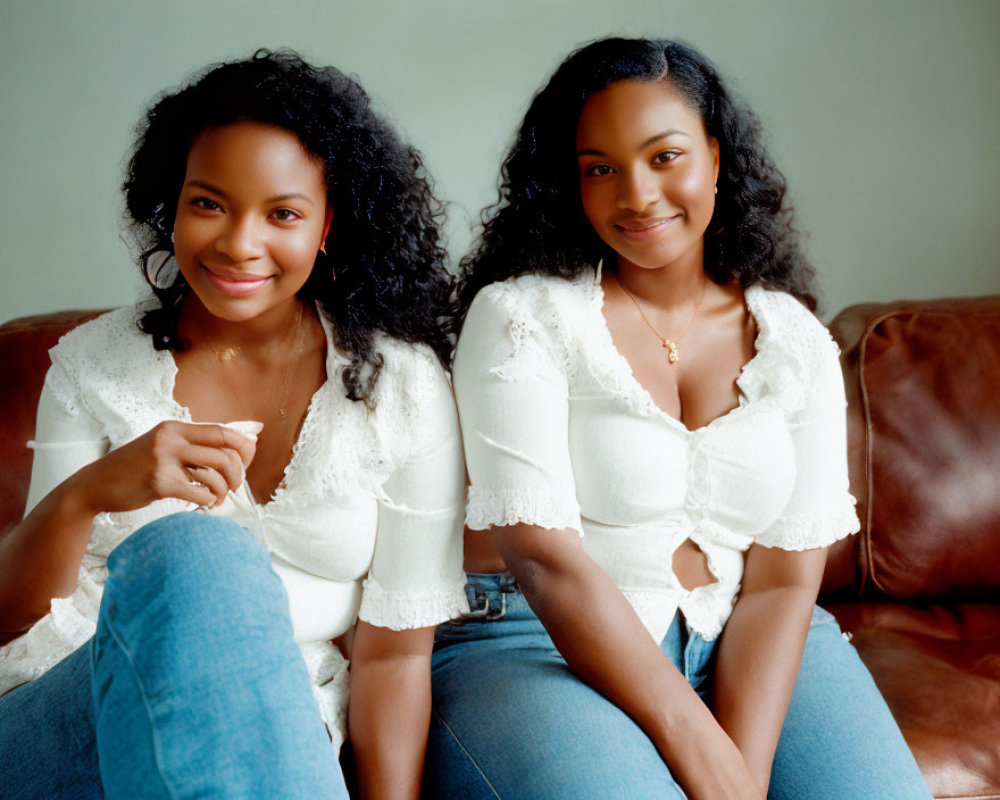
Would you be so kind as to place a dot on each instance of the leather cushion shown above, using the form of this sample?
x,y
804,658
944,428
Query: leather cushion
x,y
938,668
923,384
24,360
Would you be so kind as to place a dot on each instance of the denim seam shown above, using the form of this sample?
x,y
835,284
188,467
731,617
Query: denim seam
x,y
468,755
157,752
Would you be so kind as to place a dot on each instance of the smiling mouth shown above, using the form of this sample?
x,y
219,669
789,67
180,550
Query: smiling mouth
x,y
639,230
236,285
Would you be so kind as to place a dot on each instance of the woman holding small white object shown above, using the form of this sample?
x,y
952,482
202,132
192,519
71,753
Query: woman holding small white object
x,y
165,654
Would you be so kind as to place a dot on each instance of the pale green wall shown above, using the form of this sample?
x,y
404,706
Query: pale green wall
x,y
883,115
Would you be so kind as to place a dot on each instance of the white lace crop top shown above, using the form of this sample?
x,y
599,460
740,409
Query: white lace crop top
x,y
367,522
558,433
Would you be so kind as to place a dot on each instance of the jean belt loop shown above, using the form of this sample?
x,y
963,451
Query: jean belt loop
x,y
507,583
482,608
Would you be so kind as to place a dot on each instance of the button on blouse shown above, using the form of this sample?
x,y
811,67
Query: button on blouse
x,y
559,433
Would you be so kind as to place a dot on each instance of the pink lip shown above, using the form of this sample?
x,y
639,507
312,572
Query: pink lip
x,y
641,230
236,285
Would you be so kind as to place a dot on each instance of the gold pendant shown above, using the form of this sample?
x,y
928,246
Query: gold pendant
x,y
672,355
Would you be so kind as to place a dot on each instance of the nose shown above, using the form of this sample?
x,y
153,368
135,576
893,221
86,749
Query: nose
x,y
637,190
240,239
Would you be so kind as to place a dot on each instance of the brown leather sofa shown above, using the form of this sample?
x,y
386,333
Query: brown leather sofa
x,y
918,589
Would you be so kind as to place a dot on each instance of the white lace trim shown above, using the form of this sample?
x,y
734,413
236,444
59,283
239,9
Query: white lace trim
x,y
334,449
308,449
791,345
534,327
65,628
809,531
564,320
707,609
655,609
531,506
412,381
404,610
61,386
518,364
610,367
342,447
105,355
330,687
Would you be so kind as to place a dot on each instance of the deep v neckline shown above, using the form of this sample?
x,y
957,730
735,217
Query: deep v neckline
x,y
332,362
623,366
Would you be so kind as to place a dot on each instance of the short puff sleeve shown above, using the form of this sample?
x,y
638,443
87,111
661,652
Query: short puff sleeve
x,y
67,436
416,578
513,399
821,508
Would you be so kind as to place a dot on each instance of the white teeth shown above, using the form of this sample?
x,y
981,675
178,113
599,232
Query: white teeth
x,y
645,227
648,226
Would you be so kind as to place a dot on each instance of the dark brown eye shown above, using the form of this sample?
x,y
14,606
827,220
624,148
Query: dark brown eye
x,y
665,157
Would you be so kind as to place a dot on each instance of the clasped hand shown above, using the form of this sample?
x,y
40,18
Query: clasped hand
x,y
194,462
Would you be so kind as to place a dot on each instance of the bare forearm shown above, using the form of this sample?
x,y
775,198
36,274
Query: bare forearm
x,y
608,646
389,716
611,650
40,558
758,661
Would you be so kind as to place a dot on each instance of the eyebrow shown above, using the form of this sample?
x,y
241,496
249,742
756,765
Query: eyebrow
x,y
278,198
642,146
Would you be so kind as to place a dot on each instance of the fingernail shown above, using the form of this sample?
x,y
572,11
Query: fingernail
x,y
248,427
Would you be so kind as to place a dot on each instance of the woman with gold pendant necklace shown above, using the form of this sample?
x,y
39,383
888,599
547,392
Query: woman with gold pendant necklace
x,y
654,430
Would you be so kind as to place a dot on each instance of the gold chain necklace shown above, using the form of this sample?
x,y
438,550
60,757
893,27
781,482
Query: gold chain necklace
x,y
291,360
233,351
670,344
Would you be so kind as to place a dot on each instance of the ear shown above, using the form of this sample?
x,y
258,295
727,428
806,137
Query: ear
x,y
713,144
326,227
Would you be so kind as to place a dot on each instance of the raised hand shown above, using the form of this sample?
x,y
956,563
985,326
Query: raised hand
x,y
198,463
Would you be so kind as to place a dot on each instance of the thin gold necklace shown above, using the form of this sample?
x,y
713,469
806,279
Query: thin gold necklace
x,y
673,356
233,351
292,360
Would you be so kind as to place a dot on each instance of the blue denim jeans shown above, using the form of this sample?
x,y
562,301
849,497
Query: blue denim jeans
x,y
511,721
191,687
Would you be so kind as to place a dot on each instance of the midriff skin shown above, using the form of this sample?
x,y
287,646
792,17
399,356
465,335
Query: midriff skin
x,y
690,564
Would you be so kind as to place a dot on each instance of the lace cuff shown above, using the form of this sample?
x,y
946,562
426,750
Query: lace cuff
x,y
809,531
500,507
47,643
330,687
401,610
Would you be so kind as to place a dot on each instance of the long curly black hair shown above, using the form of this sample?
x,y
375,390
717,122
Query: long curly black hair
x,y
538,224
386,268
